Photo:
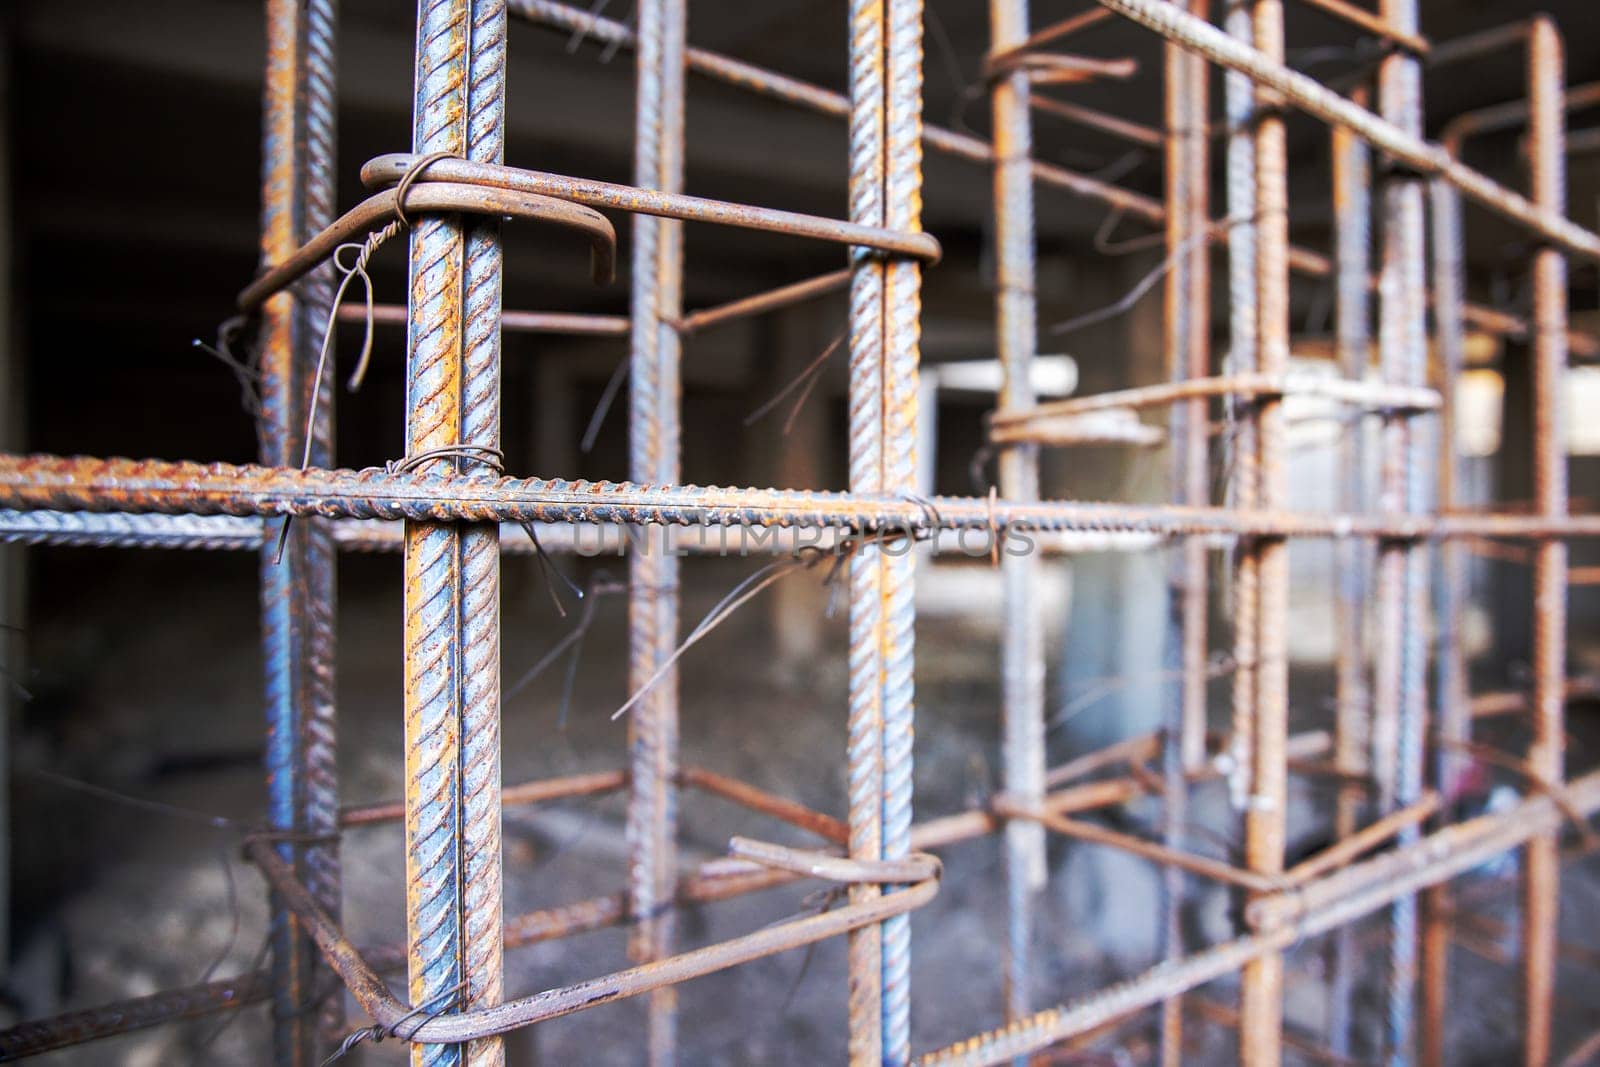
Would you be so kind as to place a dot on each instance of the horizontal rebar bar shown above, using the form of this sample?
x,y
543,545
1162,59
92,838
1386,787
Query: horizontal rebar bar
x,y
439,197
1318,100
1373,885
563,322
1365,839
223,533
125,485
1373,23
815,98
1206,867
373,994
80,1027
1256,386
589,192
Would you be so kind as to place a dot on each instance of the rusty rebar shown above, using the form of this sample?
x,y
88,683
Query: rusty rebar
x,y
864,723
1315,99
449,497
1243,357
1261,995
1248,386
564,322
452,684
477,1025
964,146
1366,839
81,1027
1405,486
1135,132
581,324
1283,920
1187,303
98,485
438,198
1546,74
297,592
654,425
1022,716
1453,725
1352,190
1374,24
902,335
590,193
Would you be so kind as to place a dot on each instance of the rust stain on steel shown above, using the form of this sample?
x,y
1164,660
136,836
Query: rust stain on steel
x,y
759,800
1546,74
436,198
597,194
373,994
113,485
1086,116
1258,385
452,508
1374,24
127,1016
1022,711
564,322
761,303
964,146
536,792
864,785
1315,99
1349,895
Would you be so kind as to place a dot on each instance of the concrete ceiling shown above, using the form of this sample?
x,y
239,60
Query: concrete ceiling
x,y
136,155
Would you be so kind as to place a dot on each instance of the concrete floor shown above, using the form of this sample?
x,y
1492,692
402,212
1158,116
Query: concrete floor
x,y
133,691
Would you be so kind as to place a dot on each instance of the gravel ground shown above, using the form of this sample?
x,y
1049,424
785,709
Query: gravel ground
x,y
132,693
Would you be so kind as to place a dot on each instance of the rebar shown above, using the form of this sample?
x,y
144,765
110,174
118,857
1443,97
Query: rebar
x,y
452,685
1188,329
89,484
653,457
1352,190
297,592
865,722
1405,486
1546,66
1022,636
447,502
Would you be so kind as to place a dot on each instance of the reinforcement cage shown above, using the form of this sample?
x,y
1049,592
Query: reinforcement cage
x,y
1393,739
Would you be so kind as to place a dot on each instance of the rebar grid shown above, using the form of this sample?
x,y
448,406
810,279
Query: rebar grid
x,y
449,495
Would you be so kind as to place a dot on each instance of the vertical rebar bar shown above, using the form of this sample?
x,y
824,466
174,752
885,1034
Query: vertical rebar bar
x,y
653,457
1196,473
482,909
452,701
1261,993
865,725
298,590
902,331
1546,757
1352,192
1401,653
1022,632
1453,727
1242,358
1187,335
321,554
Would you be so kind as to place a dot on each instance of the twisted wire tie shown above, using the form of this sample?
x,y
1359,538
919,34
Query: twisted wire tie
x,y
376,1034
357,269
